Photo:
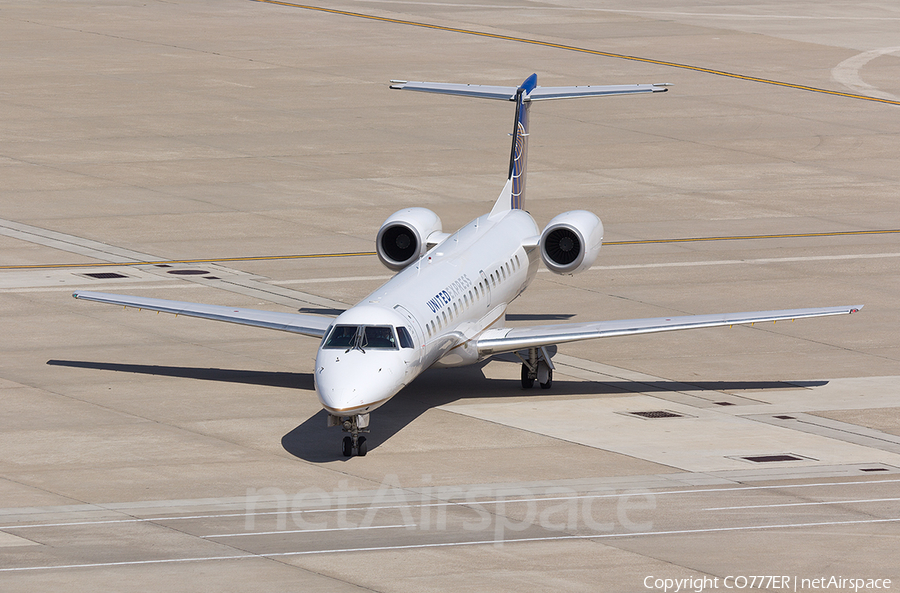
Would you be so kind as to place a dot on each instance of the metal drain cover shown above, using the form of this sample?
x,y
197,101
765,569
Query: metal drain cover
x,y
657,414
105,275
772,458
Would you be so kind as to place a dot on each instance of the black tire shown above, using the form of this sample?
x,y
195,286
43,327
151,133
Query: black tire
x,y
527,382
362,448
347,447
549,382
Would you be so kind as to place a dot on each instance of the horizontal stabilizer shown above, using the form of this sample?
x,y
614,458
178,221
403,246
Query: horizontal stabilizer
x,y
505,93
571,92
508,93
308,325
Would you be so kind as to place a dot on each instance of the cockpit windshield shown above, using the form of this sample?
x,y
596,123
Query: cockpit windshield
x,y
342,336
379,337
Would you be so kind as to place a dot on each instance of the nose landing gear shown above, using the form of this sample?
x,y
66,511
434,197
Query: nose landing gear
x,y
348,445
354,425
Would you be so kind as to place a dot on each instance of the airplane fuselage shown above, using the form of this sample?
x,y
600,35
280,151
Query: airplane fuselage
x,y
445,300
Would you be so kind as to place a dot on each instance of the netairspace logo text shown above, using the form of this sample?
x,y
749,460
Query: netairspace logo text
x,y
780,582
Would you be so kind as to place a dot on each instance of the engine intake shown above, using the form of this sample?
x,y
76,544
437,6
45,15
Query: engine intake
x,y
571,242
404,236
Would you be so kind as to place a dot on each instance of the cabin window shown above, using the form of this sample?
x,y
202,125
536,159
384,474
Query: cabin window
x,y
405,338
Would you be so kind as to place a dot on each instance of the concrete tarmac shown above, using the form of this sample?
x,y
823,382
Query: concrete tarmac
x,y
246,153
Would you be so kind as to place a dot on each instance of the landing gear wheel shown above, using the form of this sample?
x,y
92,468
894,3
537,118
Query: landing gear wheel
x,y
362,448
549,382
527,377
354,443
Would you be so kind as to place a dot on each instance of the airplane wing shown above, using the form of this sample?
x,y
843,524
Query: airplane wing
x,y
308,325
509,339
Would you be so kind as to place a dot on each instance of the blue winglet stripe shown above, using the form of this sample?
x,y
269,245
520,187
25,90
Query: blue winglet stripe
x,y
529,84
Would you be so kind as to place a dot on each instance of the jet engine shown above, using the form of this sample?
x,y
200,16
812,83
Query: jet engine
x,y
571,242
404,236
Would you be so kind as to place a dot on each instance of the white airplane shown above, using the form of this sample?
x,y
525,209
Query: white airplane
x,y
446,305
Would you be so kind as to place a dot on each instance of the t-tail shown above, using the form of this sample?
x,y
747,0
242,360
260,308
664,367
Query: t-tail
x,y
513,195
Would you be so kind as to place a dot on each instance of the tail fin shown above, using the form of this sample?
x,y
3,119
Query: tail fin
x,y
513,195
519,152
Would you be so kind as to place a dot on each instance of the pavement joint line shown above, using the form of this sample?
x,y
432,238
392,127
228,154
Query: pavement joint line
x,y
630,492
802,504
834,429
276,283
108,253
454,544
70,243
129,287
583,50
358,528
592,536
757,261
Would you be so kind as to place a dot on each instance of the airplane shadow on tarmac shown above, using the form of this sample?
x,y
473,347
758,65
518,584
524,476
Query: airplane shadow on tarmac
x,y
268,378
313,441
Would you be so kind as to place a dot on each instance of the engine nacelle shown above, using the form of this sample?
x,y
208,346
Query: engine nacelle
x,y
571,242
403,238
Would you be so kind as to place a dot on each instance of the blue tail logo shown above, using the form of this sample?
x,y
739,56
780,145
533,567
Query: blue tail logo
x,y
519,154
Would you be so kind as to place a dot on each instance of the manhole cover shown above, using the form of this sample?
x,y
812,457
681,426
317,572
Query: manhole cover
x,y
188,272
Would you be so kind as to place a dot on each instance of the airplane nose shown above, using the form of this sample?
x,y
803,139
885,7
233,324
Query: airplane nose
x,y
355,382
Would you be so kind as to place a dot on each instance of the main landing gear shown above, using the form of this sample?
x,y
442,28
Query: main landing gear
x,y
538,367
354,425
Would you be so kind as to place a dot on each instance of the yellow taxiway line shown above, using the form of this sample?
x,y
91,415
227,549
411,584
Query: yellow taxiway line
x,y
214,260
583,50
